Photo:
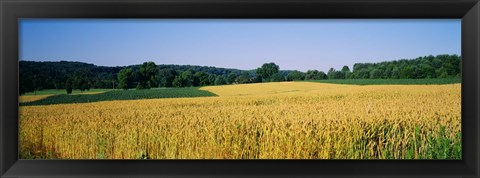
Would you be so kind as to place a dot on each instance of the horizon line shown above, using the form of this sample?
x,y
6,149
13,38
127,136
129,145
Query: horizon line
x,y
235,68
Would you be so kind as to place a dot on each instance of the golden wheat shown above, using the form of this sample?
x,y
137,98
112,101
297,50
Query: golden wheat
x,y
300,120
23,99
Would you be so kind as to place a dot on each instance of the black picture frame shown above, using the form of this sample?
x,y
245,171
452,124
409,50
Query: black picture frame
x,y
466,10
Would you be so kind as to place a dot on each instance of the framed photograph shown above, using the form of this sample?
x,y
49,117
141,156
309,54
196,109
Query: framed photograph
x,y
223,88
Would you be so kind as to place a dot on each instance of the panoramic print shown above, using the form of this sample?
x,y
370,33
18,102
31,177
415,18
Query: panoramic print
x,y
239,89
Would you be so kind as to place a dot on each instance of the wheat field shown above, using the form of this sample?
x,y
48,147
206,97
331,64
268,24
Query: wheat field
x,y
283,120
31,98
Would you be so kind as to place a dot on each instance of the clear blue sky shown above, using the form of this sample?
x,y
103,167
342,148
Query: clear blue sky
x,y
242,44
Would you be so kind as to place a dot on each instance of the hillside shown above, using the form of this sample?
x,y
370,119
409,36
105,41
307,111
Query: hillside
x,y
36,76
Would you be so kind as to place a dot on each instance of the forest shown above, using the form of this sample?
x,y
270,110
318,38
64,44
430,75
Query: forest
x,y
65,75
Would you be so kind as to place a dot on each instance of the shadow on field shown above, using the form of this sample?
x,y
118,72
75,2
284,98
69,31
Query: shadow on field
x,y
122,95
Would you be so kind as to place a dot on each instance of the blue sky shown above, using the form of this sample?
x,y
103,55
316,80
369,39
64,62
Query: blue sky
x,y
241,44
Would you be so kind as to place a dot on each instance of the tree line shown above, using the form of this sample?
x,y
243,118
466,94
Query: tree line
x,y
81,76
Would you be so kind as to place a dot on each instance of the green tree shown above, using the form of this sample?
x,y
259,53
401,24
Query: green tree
x,y
315,75
387,73
26,83
277,78
58,84
441,72
203,78
195,80
37,83
231,78
147,76
81,80
220,80
449,68
362,73
310,75
165,77
406,72
346,72
187,78
68,86
395,73
376,74
436,63
177,82
244,77
421,67
257,79
125,78
267,71
211,79
333,74
295,76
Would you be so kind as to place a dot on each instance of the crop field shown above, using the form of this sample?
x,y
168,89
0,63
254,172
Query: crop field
x,y
32,98
280,120
115,95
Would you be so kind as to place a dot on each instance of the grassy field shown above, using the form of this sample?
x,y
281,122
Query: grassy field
x,y
435,81
301,120
118,95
